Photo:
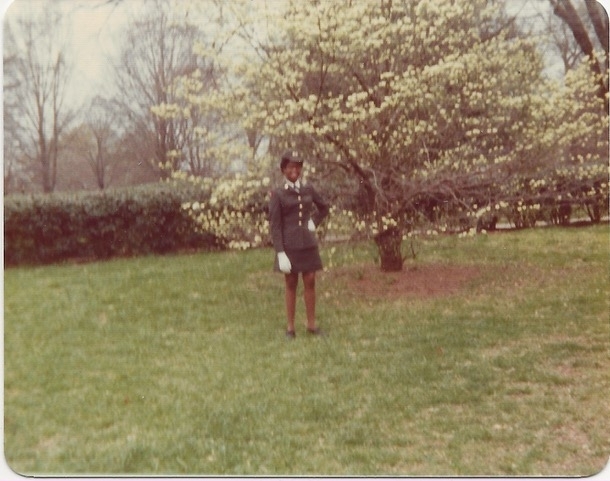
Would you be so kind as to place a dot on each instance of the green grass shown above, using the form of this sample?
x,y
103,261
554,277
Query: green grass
x,y
179,365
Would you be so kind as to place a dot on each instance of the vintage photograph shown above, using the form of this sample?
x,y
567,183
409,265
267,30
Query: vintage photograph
x,y
314,238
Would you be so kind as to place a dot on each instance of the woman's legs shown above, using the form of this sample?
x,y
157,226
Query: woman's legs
x,y
292,281
309,282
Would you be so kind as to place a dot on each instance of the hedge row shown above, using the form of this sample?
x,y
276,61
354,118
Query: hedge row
x,y
43,229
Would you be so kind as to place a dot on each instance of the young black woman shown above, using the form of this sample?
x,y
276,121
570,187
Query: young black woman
x,y
293,221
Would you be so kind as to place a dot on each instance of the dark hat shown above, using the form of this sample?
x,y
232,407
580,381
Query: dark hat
x,y
290,156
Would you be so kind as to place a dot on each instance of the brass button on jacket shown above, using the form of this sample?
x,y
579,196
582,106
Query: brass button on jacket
x,y
289,213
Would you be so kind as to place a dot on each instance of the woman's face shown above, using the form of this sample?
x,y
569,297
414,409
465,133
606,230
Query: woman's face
x,y
292,171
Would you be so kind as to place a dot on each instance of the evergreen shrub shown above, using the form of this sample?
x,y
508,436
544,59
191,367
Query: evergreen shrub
x,y
42,229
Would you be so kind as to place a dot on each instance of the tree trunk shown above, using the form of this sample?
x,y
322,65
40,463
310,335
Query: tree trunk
x,y
389,244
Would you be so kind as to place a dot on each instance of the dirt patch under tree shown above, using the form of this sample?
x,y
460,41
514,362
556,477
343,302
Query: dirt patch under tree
x,y
425,281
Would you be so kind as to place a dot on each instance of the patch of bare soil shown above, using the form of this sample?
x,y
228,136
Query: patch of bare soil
x,y
434,280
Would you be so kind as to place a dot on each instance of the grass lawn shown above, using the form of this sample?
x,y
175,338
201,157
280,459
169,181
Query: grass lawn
x,y
179,365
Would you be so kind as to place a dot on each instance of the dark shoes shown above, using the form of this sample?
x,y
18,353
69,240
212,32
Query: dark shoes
x,y
316,331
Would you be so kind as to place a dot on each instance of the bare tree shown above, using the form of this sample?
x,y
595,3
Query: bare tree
x,y
37,72
158,49
102,125
16,176
587,39
564,41
555,36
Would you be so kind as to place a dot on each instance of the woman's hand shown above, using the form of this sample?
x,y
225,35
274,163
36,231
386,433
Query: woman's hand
x,y
284,262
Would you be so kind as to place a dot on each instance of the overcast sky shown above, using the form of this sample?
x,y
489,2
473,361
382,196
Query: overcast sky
x,y
94,30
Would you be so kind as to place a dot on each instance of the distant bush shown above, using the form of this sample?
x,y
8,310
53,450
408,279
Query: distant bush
x,y
235,211
42,229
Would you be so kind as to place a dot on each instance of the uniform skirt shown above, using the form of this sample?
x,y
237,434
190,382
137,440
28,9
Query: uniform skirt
x,y
302,260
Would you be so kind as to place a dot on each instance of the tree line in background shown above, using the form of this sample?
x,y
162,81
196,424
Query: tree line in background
x,y
412,113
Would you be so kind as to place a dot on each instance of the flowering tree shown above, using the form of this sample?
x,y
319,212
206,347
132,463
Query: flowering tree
x,y
429,111
433,106
234,209
578,174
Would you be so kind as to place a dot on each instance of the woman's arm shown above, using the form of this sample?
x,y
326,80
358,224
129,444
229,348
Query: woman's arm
x,y
275,222
322,207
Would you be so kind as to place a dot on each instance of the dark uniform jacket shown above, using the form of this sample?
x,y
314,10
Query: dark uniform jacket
x,y
289,214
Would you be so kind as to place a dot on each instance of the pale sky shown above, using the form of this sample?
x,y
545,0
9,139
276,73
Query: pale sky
x,y
94,30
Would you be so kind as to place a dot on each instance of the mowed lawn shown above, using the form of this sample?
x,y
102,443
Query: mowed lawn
x,y
179,365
